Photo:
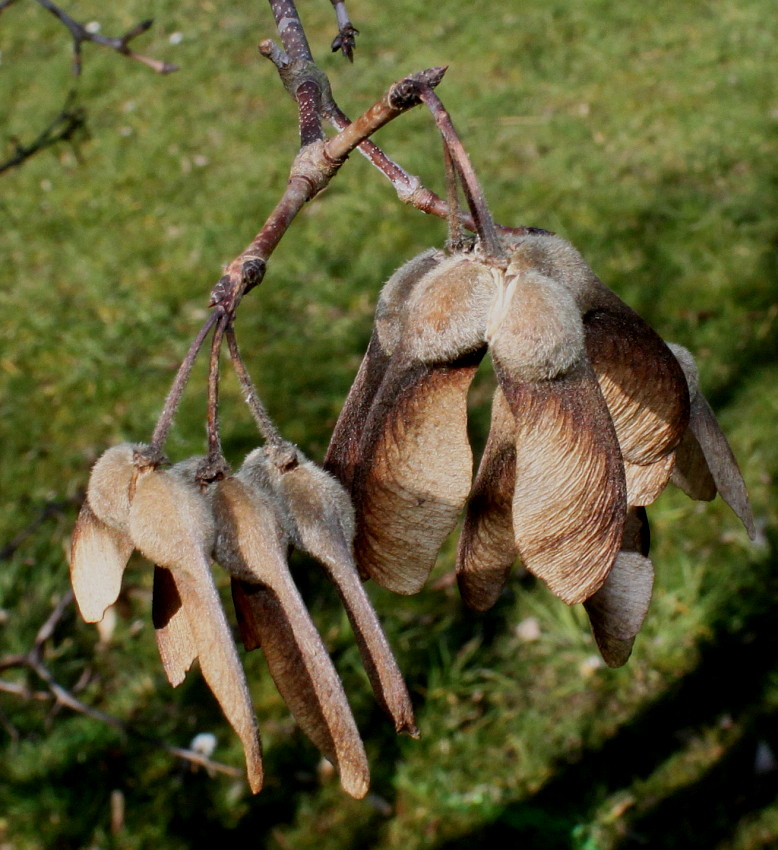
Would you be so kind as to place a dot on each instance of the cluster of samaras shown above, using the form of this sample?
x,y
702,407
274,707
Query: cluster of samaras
x,y
246,523
593,415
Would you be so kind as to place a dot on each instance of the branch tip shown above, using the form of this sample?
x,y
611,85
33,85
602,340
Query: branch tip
x,y
407,92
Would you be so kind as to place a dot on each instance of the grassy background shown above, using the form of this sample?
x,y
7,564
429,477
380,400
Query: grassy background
x,y
645,135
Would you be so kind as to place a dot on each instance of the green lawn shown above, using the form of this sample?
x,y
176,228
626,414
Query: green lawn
x,y
647,136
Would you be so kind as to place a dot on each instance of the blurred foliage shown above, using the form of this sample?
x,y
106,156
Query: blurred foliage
x,y
645,135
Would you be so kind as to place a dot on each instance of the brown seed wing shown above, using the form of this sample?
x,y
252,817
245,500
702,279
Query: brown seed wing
x,y
171,524
569,502
323,515
637,533
98,556
275,618
414,471
245,614
307,681
691,472
645,482
487,548
619,607
646,393
343,452
175,641
721,462
219,660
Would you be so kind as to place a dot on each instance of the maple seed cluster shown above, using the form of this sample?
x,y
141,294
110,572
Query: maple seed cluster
x,y
245,522
592,417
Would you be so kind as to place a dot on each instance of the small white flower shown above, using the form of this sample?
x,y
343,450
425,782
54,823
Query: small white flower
x,y
203,743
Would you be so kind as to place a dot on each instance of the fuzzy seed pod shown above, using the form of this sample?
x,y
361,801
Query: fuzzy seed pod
x,y
172,525
321,523
342,453
251,546
111,484
413,466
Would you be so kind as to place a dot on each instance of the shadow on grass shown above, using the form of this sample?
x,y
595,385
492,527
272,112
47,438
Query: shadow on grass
x,y
735,669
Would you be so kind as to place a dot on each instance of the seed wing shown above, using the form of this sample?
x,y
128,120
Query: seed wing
x,y
721,461
175,641
98,556
646,394
487,548
619,607
274,616
569,501
414,472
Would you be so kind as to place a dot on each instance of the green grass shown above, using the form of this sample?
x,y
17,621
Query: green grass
x,y
648,137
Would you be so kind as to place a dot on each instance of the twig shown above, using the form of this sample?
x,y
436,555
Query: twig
x,y
476,199
32,660
49,510
70,121
313,168
408,187
47,629
290,30
176,390
120,44
265,424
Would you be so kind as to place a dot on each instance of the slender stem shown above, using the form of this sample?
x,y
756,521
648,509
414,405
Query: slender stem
x,y
214,440
485,227
452,196
176,390
265,424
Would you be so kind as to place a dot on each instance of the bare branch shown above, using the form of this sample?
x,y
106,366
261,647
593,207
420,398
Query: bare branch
x,y
400,97
290,30
120,44
49,510
313,168
66,126
47,629
62,696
